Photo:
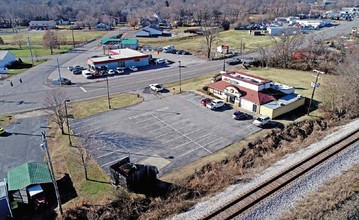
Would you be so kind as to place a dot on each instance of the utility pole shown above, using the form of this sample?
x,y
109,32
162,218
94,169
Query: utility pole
x,y
45,147
29,44
180,77
67,122
241,46
73,37
314,85
224,64
58,68
108,94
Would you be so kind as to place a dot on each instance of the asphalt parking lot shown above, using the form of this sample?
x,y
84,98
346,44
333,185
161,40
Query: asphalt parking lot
x,y
168,132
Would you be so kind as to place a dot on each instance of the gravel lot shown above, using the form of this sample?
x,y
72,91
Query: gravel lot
x,y
168,131
273,208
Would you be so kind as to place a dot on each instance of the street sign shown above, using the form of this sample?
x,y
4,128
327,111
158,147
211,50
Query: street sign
x,y
313,84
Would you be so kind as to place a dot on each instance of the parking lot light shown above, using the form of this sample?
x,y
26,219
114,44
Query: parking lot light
x,y
179,67
67,122
224,64
108,94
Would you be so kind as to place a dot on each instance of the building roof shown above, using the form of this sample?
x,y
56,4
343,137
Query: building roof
x,y
256,97
118,55
109,40
245,77
285,100
129,41
3,54
28,174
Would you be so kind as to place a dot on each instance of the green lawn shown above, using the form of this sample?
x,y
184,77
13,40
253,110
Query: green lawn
x,y
195,43
36,39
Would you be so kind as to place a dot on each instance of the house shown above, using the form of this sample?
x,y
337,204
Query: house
x,y
28,180
150,31
119,58
119,43
42,25
5,210
275,31
256,94
6,59
103,27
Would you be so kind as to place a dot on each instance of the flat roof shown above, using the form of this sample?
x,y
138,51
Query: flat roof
x,y
117,55
245,77
285,100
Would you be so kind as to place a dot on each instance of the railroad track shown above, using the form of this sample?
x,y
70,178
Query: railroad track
x,y
264,190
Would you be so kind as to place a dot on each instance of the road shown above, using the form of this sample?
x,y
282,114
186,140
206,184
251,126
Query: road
x,y
30,94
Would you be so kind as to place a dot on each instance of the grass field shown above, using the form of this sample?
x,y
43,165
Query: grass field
x,y
36,39
195,43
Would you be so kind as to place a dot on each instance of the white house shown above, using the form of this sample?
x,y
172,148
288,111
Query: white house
x,y
149,31
6,59
42,24
274,31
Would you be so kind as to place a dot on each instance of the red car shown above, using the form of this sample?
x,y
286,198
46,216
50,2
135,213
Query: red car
x,y
205,101
96,74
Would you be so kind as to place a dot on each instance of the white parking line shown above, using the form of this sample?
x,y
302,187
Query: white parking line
x,y
180,121
186,126
171,140
147,113
154,123
83,89
180,145
213,141
183,134
193,131
188,152
204,136
163,134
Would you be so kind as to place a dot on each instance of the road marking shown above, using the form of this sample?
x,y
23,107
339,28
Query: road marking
x,y
171,140
213,141
180,145
204,136
83,89
147,113
193,131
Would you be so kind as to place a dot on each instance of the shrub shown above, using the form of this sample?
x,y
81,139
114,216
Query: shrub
x,y
205,88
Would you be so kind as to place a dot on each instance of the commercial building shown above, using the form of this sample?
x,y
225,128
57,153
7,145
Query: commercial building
x,y
256,94
120,43
119,58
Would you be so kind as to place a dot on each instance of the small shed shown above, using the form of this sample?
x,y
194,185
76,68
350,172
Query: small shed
x,y
26,175
5,210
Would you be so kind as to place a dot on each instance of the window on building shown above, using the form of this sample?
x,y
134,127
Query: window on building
x,y
137,60
217,92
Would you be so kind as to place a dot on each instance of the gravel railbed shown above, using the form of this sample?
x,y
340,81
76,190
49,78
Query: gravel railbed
x,y
208,204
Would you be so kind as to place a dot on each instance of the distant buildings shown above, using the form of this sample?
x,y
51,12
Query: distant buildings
x,y
42,25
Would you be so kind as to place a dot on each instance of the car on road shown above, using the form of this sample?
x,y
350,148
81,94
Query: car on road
x,y
133,68
87,74
111,72
62,81
215,104
2,131
156,87
186,53
238,115
77,71
234,61
205,101
261,121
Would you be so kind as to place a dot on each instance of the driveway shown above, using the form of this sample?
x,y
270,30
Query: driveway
x,y
167,131
21,142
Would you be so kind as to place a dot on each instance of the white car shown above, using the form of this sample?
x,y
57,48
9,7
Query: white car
x,y
156,87
133,68
261,121
215,104
87,74
159,61
111,72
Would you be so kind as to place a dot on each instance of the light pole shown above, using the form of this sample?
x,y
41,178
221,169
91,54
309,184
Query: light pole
x,y
108,94
67,122
44,147
224,64
314,85
58,69
179,67
29,44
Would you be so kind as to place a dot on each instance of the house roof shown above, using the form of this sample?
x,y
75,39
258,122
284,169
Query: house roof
x,y
256,97
129,41
28,174
285,100
3,54
118,55
108,40
245,77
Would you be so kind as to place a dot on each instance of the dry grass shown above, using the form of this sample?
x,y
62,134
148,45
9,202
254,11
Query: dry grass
x,y
5,120
99,105
320,204
193,84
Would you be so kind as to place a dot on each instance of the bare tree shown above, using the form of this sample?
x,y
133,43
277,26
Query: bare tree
x,y
51,40
210,34
55,103
132,21
87,140
19,39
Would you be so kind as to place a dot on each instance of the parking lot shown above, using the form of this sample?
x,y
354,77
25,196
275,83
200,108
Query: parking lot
x,y
168,132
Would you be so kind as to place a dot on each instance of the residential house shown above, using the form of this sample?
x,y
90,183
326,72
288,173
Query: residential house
x,y
275,31
103,27
42,25
150,31
256,94
119,58
6,59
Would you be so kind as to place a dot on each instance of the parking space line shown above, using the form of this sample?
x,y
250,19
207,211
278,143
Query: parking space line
x,y
83,89
155,130
180,121
193,131
180,145
183,135
188,152
204,135
163,134
171,140
213,141
147,113
186,126
154,123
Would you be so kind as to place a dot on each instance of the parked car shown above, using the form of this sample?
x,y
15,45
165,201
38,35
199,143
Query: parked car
x,y
77,71
179,52
205,101
62,81
174,51
261,121
103,72
133,68
156,87
87,74
186,53
71,68
233,61
111,72
159,61
238,115
215,104
96,74
120,71
120,68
